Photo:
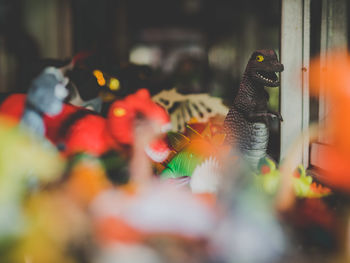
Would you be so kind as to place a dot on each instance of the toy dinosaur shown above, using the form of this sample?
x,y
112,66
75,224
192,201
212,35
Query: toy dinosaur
x,y
246,124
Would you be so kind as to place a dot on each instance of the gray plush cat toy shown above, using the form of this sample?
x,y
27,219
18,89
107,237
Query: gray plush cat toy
x,y
45,96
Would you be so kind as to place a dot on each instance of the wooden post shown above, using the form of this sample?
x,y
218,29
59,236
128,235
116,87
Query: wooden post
x,y
294,95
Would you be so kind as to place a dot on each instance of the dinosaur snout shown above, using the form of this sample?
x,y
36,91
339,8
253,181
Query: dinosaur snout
x,y
279,67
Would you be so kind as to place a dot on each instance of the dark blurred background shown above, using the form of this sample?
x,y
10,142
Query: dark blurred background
x,y
194,45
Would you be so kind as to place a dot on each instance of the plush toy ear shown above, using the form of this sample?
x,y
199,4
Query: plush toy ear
x,y
138,100
81,56
143,94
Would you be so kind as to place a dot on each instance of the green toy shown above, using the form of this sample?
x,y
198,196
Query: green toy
x,y
268,177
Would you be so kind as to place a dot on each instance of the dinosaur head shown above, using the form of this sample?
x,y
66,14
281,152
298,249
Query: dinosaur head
x,y
263,66
124,113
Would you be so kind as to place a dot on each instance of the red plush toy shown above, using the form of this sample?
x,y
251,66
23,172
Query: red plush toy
x,y
123,113
13,106
79,130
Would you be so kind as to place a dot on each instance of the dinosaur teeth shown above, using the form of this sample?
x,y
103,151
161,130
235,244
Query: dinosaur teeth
x,y
264,78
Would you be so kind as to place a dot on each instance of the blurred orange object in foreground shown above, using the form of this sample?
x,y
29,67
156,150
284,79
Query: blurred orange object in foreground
x,y
336,171
333,79
113,229
87,179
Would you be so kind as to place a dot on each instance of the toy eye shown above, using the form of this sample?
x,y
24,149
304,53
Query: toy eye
x,y
119,112
99,76
259,58
114,84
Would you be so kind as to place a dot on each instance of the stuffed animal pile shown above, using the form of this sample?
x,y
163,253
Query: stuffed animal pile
x,y
141,184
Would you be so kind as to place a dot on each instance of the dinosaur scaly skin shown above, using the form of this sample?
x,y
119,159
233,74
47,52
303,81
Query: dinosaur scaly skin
x,y
246,123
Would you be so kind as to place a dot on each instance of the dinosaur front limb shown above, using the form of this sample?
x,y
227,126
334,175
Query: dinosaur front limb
x,y
258,116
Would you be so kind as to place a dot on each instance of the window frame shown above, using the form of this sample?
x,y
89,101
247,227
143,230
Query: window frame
x,y
295,55
294,95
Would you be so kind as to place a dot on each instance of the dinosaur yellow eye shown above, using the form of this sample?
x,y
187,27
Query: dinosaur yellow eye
x,y
259,58
119,112
99,76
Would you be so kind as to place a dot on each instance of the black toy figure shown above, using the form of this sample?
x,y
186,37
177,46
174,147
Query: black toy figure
x,y
246,124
